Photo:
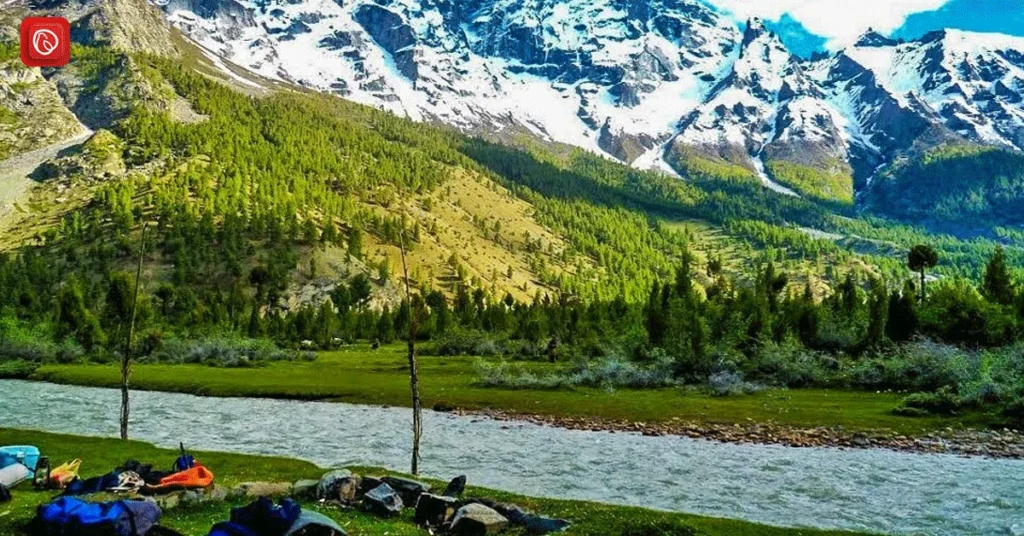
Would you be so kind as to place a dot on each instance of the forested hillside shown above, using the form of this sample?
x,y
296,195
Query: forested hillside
x,y
964,187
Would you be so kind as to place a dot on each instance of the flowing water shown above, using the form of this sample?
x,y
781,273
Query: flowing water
x,y
873,490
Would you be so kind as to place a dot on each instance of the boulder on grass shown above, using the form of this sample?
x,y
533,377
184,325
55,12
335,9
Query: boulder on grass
x,y
476,519
455,487
534,524
368,483
409,489
252,490
435,510
305,489
383,501
340,485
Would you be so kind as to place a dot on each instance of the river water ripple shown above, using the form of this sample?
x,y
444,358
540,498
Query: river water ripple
x,y
872,490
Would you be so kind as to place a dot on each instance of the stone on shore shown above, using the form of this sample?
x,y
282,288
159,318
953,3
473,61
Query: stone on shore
x,y
476,519
435,510
340,485
455,487
410,490
534,524
368,483
305,489
383,501
252,490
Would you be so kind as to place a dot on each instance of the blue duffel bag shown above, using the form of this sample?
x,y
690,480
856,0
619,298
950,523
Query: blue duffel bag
x,y
69,516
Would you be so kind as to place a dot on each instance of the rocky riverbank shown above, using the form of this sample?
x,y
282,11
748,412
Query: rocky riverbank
x,y
1003,443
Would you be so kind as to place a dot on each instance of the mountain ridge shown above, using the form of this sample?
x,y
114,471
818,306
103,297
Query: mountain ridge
x,y
634,80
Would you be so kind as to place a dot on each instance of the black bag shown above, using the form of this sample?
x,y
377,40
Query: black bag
x,y
5,494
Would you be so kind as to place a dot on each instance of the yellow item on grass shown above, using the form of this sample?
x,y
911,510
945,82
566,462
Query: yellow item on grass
x,y
63,475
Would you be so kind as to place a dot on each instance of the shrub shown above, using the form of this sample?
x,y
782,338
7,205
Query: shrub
x,y
465,342
619,372
920,366
606,372
17,369
728,383
943,402
790,365
69,351
26,350
506,376
224,352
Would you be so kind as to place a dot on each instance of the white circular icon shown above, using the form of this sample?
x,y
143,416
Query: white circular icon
x,y
45,42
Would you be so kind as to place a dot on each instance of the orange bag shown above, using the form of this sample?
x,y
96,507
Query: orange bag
x,y
64,474
196,477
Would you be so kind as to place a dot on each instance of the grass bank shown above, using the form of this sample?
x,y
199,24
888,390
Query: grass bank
x,y
101,455
361,375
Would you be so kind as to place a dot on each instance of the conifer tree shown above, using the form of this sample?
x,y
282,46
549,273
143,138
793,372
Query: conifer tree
x,y
997,284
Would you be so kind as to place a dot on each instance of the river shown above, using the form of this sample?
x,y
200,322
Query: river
x,y
872,490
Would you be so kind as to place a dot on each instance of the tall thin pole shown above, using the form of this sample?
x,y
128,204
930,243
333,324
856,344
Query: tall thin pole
x,y
414,380
126,357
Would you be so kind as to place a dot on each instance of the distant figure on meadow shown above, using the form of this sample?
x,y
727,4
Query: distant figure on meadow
x,y
553,349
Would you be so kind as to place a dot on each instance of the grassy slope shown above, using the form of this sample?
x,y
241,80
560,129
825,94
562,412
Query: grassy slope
x,y
359,375
453,208
834,184
101,455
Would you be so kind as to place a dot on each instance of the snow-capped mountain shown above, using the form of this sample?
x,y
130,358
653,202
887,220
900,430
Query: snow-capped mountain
x,y
642,81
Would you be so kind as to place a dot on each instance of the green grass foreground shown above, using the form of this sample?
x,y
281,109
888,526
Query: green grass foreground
x,y
363,376
102,455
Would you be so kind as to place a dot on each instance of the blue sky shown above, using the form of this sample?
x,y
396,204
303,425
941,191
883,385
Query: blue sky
x,y
812,25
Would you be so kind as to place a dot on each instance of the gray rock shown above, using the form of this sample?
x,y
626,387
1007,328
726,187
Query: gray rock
x,y
435,510
368,483
218,494
305,489
339,485
409,489
175,499
534,524
383,501
248,490
455,487
477,520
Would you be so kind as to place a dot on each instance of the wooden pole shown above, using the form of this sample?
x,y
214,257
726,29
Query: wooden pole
x,y
414,381
126,358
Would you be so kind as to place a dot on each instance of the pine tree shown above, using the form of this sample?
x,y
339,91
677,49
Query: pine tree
x,y
878,313
901,320
920,259
997,285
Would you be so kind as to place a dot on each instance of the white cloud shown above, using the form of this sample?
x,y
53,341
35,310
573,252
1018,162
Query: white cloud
x,y
839,21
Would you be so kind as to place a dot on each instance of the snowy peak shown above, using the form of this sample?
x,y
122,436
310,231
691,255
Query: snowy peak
x,y
641,81
766,108
871,38
613,76
971,83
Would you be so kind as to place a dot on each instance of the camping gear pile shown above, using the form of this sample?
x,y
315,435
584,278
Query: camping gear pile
x,y
68,515
445,513
17,464
134,477
263,518
139,513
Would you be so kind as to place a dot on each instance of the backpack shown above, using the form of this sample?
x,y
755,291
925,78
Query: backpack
x,y
69,516
5,495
